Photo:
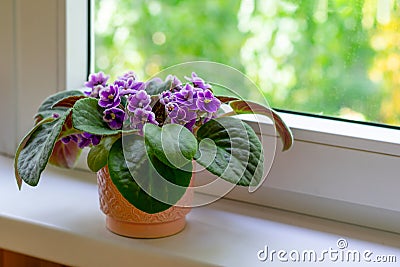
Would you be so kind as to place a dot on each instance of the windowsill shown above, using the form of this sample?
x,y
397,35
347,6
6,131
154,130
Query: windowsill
x,y
60,221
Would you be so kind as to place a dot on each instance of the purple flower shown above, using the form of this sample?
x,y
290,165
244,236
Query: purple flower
x,y
87,139
190,125
169,107
109,97
142,116
95,80
124,86
166,97
207,102
128,86
187,96
114,117
69,138
176,83
128,75
66,139
198,82
95,91
180,114
138,86
138,100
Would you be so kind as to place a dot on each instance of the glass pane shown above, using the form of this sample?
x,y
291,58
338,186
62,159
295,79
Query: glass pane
x,y
338,57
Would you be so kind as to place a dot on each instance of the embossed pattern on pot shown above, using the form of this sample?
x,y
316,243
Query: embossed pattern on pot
x,y
125,219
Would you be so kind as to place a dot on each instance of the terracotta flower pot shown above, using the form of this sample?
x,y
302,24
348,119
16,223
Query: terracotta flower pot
x,y
125,219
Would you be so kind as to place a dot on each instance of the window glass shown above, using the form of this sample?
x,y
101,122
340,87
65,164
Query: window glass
x,y
338,58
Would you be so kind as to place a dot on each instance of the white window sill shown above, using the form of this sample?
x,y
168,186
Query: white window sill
x,y
60,221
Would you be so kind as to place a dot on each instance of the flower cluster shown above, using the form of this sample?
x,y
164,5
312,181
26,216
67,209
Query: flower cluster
x,y
191,103
127,103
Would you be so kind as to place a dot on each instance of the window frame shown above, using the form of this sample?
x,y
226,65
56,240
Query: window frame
x,y
300,180
45,51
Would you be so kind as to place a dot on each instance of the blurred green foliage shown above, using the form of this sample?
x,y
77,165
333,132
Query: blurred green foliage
x,y
324,57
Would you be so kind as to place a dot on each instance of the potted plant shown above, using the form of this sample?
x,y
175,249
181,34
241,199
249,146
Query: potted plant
x,y
143,139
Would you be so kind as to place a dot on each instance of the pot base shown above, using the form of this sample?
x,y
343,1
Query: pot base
x,y
145,230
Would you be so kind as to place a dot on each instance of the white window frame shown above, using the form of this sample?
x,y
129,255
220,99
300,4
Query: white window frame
x,y
337,170
43,50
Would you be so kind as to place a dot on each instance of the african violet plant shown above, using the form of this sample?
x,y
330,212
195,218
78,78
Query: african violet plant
x,y
146,133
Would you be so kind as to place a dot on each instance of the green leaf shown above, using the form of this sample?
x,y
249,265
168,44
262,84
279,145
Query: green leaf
x,y
48,103
98,155
47,108
87,116
156,86
33,157
22,144
248,107
172,144
149,185
230,149
65,155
